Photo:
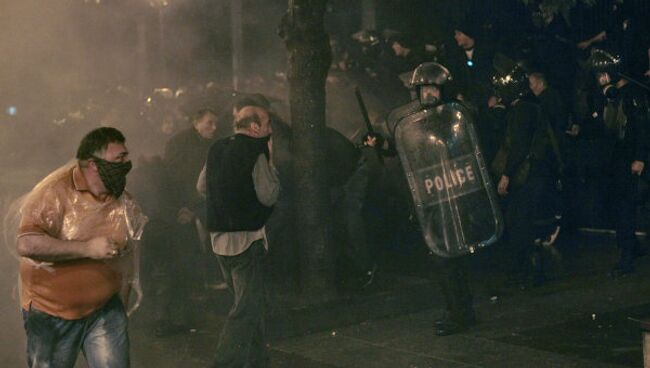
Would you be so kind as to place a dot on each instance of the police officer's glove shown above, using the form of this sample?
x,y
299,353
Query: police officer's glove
x,y
372,140
611,92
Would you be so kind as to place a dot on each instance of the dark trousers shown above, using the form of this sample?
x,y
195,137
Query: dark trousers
x,y
453,282
523,205
356,225
177,276
241,343
621,191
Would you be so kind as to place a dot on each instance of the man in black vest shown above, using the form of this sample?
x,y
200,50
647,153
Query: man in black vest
x,y
242,185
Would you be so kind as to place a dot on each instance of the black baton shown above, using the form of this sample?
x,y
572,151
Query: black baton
x,y
364,112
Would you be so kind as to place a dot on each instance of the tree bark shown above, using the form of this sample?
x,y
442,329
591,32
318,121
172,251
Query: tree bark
x,y
303,31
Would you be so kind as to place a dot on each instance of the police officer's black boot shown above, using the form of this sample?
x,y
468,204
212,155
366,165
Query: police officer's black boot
x,y
459,314
454,323
537,268
625,265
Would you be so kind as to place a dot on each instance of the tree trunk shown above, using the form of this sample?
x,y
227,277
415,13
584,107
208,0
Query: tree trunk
x,y
303,31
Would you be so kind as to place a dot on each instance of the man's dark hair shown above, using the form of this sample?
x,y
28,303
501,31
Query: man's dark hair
x,y
404,39
97,140
201,113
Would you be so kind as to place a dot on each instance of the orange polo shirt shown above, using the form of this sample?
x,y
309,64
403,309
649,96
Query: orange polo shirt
x,y
62,207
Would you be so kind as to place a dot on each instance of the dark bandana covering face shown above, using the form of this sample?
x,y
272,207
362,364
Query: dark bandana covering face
x,y
113,175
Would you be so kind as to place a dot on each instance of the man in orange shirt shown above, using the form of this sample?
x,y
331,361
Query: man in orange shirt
x,y
75,258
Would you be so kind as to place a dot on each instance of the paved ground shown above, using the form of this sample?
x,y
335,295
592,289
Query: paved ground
x,y
579,319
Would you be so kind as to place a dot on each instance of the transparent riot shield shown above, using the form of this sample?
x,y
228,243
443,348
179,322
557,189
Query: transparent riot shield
x,y
452,192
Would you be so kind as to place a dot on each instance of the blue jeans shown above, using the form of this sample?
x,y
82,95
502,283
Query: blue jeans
x,y
53,342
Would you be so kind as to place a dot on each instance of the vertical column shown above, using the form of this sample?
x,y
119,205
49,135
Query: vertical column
x,y
645,333
161,45
368,15
237,42
141,68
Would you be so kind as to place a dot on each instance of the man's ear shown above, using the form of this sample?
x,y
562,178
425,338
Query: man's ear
x,y
91,164
255,128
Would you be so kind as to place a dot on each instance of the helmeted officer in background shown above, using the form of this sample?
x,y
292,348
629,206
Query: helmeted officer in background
x,y
523,169
620,114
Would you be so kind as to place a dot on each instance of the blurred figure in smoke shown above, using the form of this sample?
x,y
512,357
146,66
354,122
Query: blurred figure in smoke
x,y
553,51
77,258
471,64
241,185
184,156
409,53
360,199
372,64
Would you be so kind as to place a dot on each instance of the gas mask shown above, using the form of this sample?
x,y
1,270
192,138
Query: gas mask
x,y
429,95
113,175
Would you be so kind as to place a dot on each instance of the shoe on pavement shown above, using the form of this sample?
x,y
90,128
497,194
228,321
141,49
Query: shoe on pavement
x,y
447,326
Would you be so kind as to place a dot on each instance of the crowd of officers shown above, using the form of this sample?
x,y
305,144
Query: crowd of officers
x,y
533,112
530,112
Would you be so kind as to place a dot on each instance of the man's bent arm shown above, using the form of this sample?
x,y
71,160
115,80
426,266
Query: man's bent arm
x,y
42,247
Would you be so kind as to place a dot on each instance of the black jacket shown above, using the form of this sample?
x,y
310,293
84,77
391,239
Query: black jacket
x,y
523,119
185,155
473,82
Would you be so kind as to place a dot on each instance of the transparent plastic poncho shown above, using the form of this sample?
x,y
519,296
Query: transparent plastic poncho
x,y
121,217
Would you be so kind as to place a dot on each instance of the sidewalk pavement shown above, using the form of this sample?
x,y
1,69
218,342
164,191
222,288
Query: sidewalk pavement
x,y
578,319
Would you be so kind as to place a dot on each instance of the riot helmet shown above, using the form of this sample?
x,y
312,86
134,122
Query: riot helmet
x,y
427,82
601,61
511,84
607,68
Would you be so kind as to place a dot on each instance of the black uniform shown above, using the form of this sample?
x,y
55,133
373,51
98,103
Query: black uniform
x,y
623,123
472,76
554,55
531,177
459,313
556,113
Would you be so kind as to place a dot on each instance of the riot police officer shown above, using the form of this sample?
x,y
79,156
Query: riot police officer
x,y
523,169
620,111
428,83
